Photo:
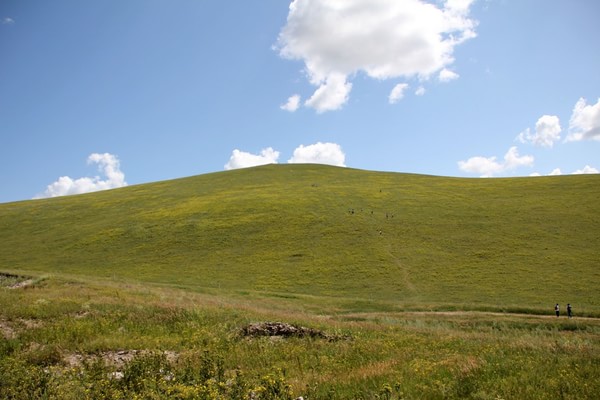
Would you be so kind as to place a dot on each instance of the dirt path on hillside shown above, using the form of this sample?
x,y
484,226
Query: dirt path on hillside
x,y
468,313
403,271
496,314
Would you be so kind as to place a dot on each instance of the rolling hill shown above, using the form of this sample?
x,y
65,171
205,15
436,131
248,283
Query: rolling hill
x,y
405,240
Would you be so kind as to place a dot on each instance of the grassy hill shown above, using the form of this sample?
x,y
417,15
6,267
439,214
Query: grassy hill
x,y
146,291
396,240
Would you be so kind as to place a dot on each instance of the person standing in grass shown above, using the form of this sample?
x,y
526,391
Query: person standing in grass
x,y
557,310
569,310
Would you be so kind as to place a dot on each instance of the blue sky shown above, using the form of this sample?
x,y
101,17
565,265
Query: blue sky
x,y
100,94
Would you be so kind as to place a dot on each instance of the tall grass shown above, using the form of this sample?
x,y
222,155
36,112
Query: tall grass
x,y
188,345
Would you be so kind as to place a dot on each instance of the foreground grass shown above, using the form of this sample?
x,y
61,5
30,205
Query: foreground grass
x,y
187,345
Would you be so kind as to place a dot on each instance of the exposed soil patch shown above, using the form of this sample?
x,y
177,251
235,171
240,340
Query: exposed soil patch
x,y
116,358
11,281
6,330
22,284
10,330
30,323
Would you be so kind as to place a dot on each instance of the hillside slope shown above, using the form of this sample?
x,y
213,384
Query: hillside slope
x,y
326,231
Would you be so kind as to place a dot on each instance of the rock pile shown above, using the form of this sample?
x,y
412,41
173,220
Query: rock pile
x,y
281,329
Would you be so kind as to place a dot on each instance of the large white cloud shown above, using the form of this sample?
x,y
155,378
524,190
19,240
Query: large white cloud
x,y
585,121
107,163
547,132
489,166
319,153
382,38
242,159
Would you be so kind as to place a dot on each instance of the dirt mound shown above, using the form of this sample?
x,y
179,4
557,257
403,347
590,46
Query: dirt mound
x,y
282,329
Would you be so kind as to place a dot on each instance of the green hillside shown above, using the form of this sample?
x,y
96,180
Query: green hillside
x,y
151,291
404,240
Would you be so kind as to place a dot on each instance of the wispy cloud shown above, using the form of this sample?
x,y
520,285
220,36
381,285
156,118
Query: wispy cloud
x,y
7,21
397,93
446,75
107,163
382,38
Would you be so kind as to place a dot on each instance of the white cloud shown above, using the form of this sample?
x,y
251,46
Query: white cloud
x,y
446,75
107,163
382,38
483,166
555,172
513,160
585,121
331,95
489,166
319,153
547,132
397,93
586,170
293,103
242,159
420,91
7,21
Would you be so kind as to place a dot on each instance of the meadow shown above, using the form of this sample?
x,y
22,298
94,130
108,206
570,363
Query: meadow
x,y
428,287
74,339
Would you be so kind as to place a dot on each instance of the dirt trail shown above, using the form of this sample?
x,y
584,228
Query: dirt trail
x,y
403,271
468,313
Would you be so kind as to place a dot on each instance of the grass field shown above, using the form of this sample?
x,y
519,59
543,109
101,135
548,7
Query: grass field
x,y
437,287
62,338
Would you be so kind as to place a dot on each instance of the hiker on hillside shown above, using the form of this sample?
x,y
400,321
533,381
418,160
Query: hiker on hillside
x,y
569,314
557,310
